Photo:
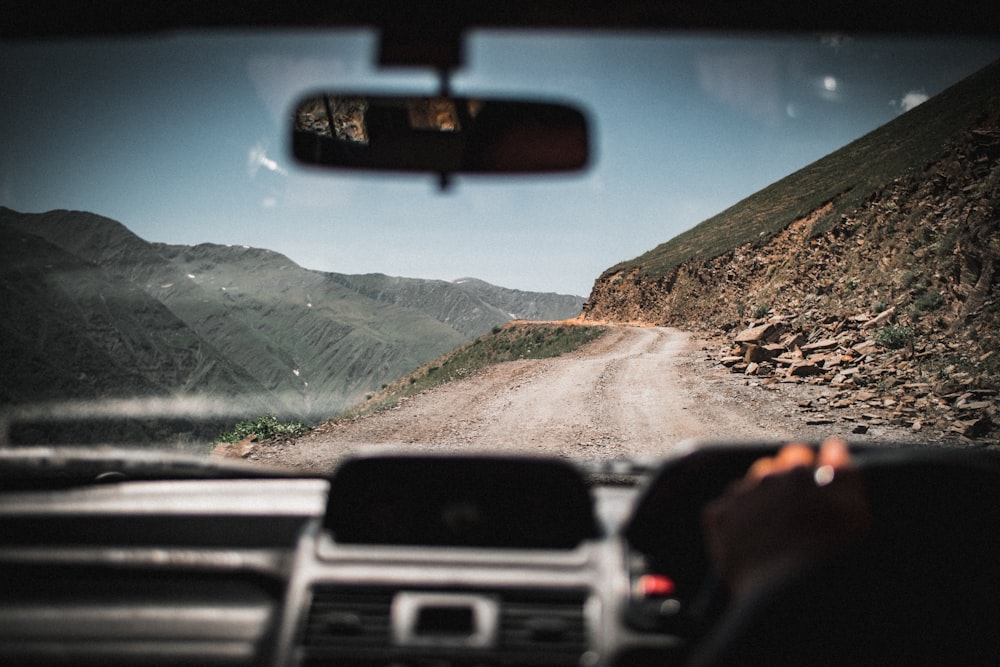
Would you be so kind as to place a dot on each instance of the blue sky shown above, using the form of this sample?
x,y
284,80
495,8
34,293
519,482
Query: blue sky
x,y
183,140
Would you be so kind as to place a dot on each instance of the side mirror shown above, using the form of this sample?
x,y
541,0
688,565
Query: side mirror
x,y
443,135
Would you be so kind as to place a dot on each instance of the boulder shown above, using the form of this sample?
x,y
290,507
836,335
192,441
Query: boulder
x,y
804,369
765,333
824,344
755,354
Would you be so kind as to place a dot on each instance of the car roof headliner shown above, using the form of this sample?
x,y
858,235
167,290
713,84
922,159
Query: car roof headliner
x,y
54,18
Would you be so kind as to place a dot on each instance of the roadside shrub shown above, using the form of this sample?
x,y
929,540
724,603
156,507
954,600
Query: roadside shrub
x,y
946,244
908,278
930,300
264,427
894,337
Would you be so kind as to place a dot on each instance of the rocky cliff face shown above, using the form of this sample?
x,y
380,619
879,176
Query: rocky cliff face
x,y
901,290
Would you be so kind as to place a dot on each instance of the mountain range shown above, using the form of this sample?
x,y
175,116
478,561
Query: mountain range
x,y
899,228
90,310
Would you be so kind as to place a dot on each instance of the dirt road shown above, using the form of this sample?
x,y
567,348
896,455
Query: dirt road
x,y
633,392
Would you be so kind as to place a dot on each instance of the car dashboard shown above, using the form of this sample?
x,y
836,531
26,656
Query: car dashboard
x,y
395,561
465,560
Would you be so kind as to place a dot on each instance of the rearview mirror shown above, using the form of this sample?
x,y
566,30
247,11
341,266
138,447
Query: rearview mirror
x,y
445,135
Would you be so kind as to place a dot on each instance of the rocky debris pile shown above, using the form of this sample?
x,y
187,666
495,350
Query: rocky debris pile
x,y
877,373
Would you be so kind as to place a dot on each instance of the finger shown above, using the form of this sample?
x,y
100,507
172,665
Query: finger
x,y
794,455
761,468
835,453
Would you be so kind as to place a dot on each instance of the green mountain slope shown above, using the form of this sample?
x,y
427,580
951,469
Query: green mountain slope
x,y
843,179
312,343
80,332
468,305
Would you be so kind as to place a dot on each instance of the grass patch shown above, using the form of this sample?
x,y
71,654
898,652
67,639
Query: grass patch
x,y
927,301
894,337
502,344
264,427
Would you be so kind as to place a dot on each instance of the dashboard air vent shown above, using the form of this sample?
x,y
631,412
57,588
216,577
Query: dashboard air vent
x,y
543,627
357,626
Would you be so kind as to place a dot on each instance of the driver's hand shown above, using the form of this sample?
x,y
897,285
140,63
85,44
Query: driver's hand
x,y
787,510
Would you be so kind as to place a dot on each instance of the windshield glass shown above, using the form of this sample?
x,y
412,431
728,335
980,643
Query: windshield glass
x,y
187,266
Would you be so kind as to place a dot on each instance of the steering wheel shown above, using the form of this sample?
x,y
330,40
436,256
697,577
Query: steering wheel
x,y
921,588
666,529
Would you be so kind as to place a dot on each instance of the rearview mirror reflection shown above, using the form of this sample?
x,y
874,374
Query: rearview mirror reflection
x,y
439,134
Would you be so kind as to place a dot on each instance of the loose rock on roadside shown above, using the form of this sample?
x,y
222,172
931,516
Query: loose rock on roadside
x,y
871,383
